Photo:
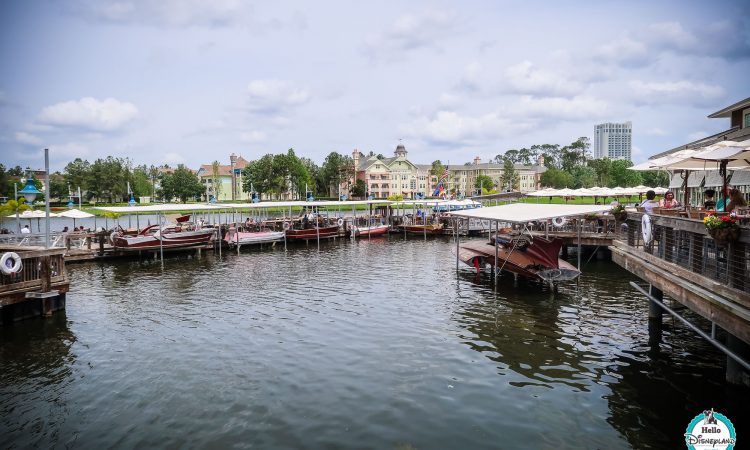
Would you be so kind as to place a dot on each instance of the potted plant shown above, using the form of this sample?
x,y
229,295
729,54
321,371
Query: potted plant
x,y
723,229
619,212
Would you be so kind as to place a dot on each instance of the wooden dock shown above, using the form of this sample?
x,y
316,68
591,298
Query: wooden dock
x,y
685,263
38,289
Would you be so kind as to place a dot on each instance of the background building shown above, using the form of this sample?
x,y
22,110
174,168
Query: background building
x,y
613,140
226,183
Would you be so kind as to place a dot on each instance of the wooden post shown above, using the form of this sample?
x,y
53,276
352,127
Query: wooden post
x,y
735,373
102,236
457,234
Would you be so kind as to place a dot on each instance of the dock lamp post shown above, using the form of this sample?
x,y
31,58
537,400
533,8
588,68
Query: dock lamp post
x,y
30,192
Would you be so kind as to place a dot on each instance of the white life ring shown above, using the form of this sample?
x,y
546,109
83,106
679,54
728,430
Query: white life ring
x,y
15,267
646,229
285,226
559,221
340,221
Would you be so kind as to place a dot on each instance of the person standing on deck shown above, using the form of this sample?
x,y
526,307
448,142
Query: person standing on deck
x,y
25,230
649,204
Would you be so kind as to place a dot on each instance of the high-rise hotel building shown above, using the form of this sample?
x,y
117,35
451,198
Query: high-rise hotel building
x,y
613,140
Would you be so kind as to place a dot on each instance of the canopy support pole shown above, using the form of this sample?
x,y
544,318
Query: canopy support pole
x,y
580,225
497,229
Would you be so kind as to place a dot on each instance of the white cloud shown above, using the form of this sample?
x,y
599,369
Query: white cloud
x,y
524,78
69,151
89,113
173,158
576,108
625,51
675,92
274,96
253,137
27,138
448,100
655,131
449,127
410,32
724,39
171,13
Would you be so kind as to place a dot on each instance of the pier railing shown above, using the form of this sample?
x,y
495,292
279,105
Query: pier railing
x,y
41,271
686,242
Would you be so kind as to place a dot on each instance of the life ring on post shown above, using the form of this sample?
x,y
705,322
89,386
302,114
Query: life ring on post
x,y
646,229
112,237
285,226
340,221
10,263
559,221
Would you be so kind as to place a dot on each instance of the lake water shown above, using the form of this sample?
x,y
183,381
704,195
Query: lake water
x,y
372,344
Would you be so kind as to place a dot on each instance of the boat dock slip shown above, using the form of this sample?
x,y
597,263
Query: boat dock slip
x,y
677,257
517,250
37,287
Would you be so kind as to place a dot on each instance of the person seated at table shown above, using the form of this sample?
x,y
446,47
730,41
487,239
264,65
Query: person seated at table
x,y
708,199
736,200
649,204
722,203
668,201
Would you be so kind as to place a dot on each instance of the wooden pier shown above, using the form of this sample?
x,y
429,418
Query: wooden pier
x,y
684,263
39,288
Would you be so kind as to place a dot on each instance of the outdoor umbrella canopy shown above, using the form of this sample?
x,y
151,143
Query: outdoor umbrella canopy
x,y
29,214
75,214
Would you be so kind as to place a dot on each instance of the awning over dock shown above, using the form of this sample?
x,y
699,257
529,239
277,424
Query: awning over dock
x,y
187,207
527,212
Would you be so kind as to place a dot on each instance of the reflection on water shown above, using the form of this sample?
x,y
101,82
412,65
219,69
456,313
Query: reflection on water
x,y
370,344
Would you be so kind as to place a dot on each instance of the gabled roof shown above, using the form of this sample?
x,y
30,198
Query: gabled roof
x,y
727,112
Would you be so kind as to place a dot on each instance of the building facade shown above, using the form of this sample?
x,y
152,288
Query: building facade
x,y
224,183
613,140
397,175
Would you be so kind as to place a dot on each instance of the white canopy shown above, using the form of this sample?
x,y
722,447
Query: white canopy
x,y
75,214
527,212
36,214
171,207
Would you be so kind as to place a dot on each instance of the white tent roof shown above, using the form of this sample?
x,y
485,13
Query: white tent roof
x,y
75,214
171,207
526,212
36,214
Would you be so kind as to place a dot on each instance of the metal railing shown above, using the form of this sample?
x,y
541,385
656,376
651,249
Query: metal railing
x,y
36,264
687,243
69,240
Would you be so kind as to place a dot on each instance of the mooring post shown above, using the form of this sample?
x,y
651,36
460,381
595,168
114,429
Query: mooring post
x,y
457,243
735,373
655,313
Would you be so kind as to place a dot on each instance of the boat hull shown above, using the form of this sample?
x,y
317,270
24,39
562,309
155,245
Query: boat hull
x,y
379,230
312,233
534,262
423,229
261,237
166,240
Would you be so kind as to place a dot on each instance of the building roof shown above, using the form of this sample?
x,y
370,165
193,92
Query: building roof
x,y
740,178
727,112
225,170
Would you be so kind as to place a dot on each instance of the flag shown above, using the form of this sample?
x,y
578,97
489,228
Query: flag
x,y
445,174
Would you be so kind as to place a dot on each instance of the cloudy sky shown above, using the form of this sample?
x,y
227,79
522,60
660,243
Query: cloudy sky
x,y
192,81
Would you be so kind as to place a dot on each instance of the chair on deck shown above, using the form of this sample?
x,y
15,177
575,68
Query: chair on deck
x,y
670,212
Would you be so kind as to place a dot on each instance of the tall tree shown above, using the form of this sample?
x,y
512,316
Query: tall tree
x,y
622,176
77,173
510,178
484,183
556,178
216,179
182,184
259,175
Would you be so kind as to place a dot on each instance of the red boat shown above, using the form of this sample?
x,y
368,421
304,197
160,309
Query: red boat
x,y
535,258
313,233
377,230
151,238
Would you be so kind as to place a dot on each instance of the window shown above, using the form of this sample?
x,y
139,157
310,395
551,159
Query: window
x,y
746,120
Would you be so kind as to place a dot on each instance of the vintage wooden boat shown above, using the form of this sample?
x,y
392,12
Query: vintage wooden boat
x,y
535,259
152,238
432,228
375,230
234,237
312,233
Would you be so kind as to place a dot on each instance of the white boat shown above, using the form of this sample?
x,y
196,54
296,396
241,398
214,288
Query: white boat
x,y
233,237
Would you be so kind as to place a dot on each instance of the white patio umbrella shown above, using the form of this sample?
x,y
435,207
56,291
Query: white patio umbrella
x,y
31,214
75,214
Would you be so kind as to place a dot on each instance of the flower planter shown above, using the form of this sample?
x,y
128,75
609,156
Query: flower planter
x,y
723,236
620,216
